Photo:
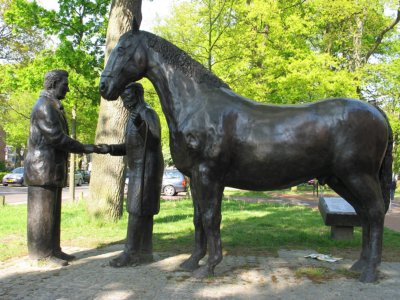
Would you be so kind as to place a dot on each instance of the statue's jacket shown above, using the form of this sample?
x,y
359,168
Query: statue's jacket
x,y
144,157
49,144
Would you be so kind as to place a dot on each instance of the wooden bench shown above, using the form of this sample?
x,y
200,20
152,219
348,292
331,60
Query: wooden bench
x,y
340,215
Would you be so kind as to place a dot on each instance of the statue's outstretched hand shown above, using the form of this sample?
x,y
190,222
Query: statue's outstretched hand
x,y
102,148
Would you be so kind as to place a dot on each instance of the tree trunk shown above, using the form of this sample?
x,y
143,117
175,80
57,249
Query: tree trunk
x,y
72,157
357,60
107,178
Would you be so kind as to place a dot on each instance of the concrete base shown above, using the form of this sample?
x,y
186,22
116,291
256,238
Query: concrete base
x,y
342,233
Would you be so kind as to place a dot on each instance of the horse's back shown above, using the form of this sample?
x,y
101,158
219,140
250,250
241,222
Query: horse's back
x,y
284,145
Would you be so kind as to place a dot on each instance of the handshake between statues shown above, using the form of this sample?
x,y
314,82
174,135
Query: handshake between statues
x,y
99,149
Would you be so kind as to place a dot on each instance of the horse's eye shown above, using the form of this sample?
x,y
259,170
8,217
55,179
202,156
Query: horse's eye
x,y
121,50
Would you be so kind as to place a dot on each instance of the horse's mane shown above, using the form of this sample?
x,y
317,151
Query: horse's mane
x,y
182,61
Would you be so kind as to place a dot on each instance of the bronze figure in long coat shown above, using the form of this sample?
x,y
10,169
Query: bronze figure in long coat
x,y
142,148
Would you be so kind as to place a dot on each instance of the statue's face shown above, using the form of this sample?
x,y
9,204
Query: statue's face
x,y
61,88
130,100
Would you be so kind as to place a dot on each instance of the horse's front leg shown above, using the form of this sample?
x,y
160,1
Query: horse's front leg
x,y
209,195
200,241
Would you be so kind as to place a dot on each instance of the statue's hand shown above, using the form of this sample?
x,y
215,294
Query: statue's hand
x,y
102,148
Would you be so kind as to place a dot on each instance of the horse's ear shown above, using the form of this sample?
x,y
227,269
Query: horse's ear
x,y
135,25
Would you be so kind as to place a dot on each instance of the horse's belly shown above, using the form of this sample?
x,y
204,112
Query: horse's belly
x,y
264,184
272,179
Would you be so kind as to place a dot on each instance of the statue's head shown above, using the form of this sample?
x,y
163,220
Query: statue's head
x,y
132,95
56,81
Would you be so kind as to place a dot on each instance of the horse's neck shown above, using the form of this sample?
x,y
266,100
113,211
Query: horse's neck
x,y
175,91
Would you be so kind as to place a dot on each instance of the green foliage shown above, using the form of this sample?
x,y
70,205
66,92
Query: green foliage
x,y
80,26
283,52
18,43
2,172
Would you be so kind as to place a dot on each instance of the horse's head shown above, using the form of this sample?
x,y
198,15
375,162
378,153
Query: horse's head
x,y
126,63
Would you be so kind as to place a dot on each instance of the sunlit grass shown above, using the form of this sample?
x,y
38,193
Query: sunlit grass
x,y
323,274
246,229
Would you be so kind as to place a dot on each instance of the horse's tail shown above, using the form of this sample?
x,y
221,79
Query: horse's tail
x,y
385,173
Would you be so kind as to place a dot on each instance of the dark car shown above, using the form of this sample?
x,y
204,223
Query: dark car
x,y
15,177
173,182
85,175
78,178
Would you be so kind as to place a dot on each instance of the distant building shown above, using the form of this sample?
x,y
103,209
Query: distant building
x,y
2,145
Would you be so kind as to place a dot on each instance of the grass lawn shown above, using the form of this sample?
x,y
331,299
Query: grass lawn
x,y
246,229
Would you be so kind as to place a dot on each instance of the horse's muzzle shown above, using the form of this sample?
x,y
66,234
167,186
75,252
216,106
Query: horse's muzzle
x,y
105,91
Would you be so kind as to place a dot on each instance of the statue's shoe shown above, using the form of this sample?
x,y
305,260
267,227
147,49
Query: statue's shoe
x,y
63,255
57,261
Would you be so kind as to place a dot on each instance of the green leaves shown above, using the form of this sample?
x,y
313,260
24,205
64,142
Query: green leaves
x,y
79,28
283,51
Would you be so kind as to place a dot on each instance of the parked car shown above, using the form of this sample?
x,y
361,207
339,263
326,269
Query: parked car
x,y
78,178
85,175
174,182
15,177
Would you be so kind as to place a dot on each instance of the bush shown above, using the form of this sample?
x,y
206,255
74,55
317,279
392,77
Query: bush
x,y
2,175
2,166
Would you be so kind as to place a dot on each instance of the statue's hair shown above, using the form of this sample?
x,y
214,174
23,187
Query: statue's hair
x,y
135,89
182,61
52,77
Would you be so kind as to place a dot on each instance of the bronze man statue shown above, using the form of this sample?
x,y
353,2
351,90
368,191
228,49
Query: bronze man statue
x,y
46,168
142,148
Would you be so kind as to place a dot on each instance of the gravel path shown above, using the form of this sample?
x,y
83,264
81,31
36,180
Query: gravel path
x,y
237,277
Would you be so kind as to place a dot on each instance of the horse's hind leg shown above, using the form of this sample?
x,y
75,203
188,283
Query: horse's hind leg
x,y
200,241
344,192
368,202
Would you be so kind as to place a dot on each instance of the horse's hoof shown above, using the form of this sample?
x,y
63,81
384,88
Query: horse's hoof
x,y
189,265
123,260
203,272
358,266
369,276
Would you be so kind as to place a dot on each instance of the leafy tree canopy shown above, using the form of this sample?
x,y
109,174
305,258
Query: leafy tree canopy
x,y
79,27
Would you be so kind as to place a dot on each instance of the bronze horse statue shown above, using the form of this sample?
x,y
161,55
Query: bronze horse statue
x,y
219,138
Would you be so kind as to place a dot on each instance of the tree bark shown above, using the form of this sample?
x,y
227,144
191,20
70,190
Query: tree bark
x,y
72,158
107,177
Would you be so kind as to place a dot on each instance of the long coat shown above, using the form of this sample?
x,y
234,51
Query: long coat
x,y
142,148
49,144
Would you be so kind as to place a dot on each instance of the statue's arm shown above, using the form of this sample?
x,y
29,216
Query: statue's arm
x,y
51,126
118,149
153,122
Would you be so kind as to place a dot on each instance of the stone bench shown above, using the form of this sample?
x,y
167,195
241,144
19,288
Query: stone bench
x,y
340,215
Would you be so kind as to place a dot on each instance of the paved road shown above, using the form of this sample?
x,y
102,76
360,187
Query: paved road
x,y
18,194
